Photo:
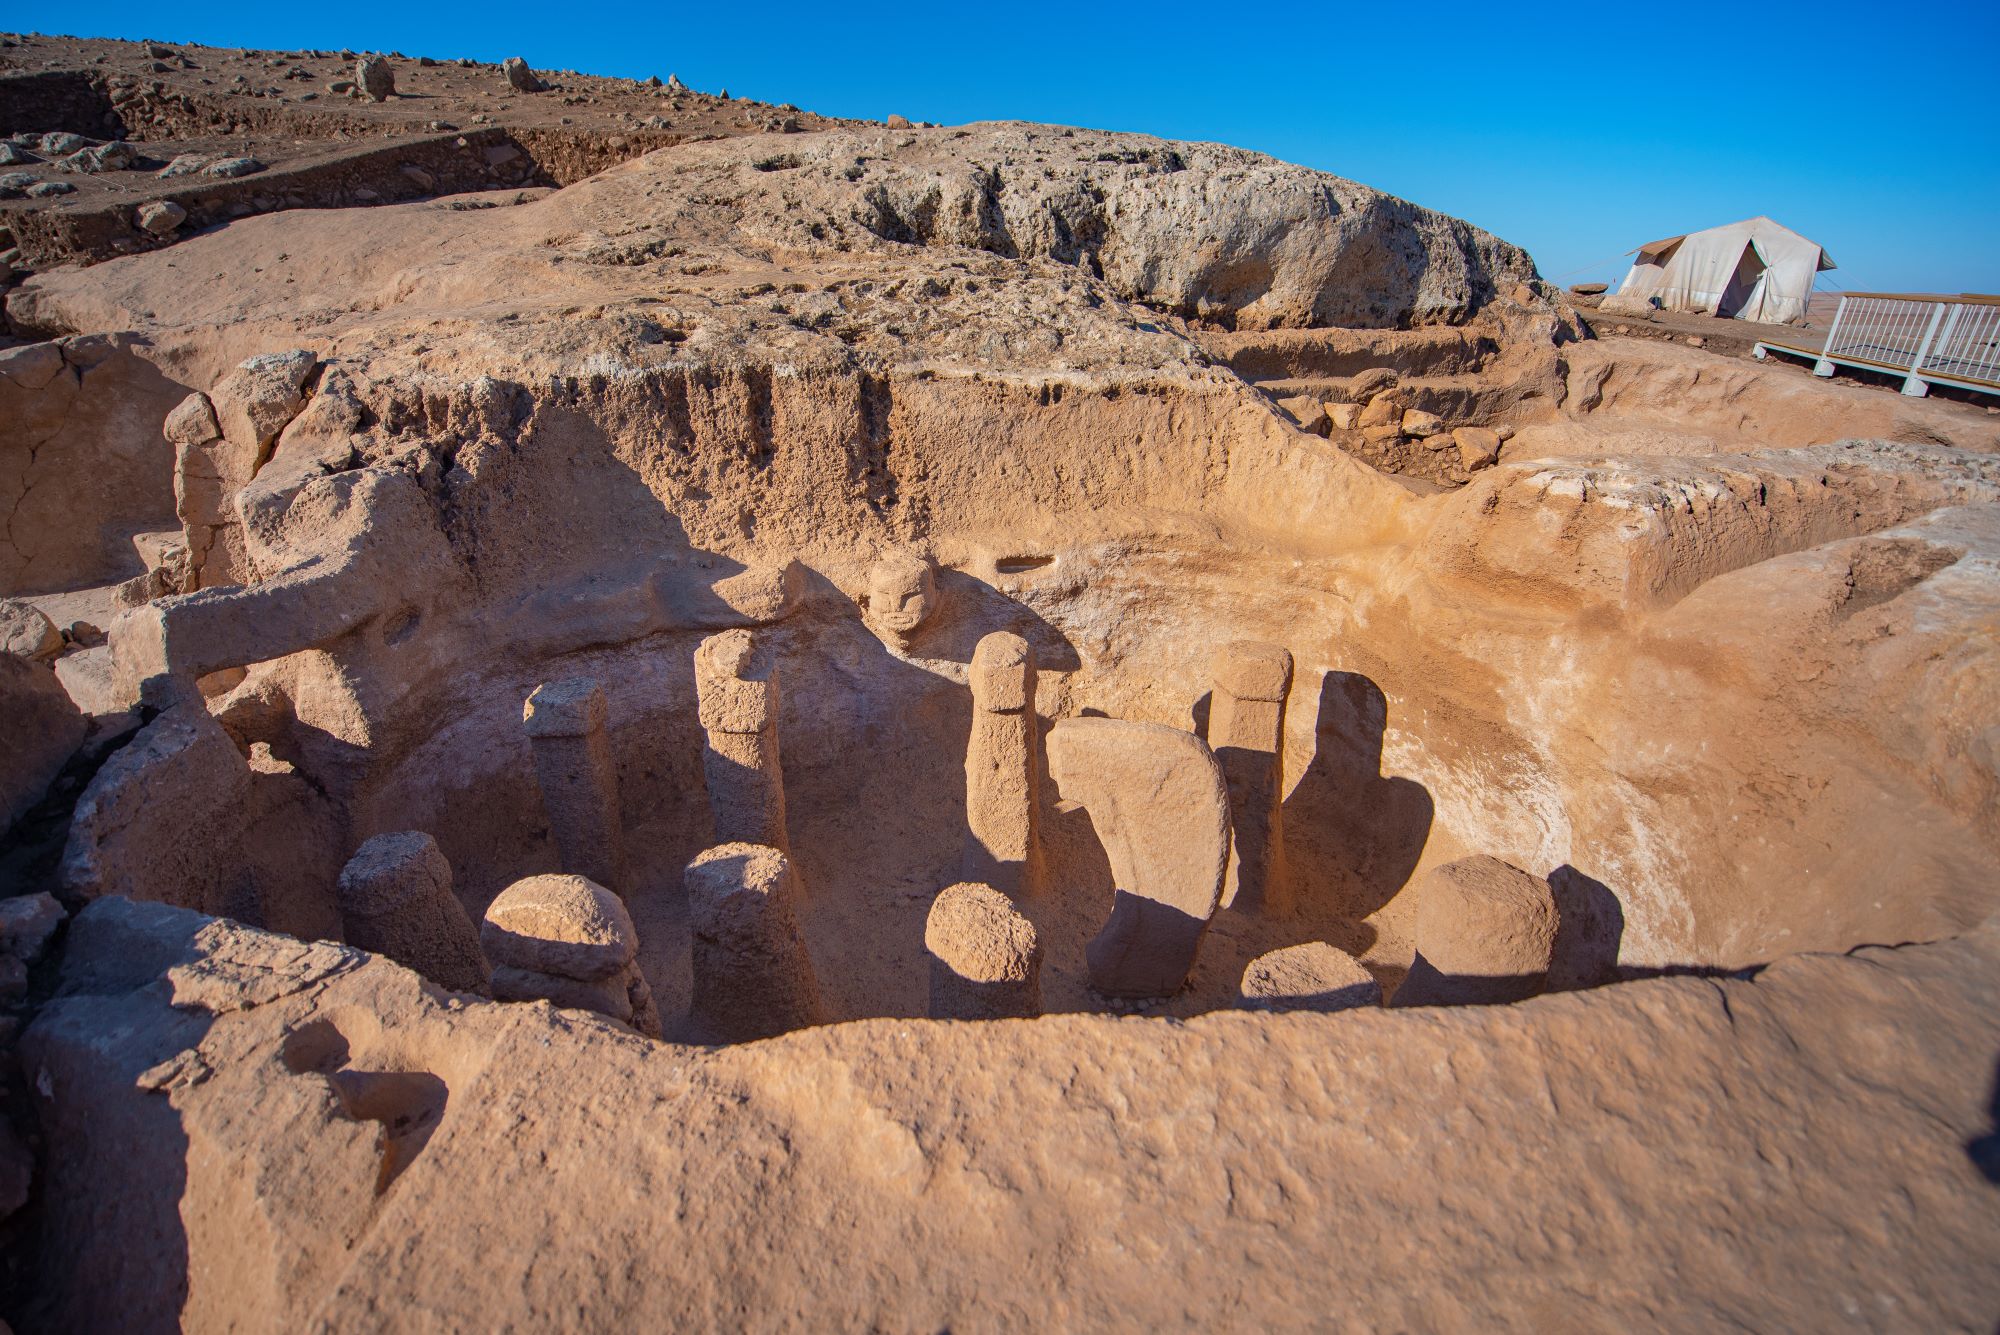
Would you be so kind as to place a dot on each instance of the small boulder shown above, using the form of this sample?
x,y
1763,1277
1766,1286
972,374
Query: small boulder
x,y
48,189
186,164
522,79
1417,422
1590,289
1310,977
25,631
233,167
1343,416
1485,935
1478,446
26,924
898,122
377,78
1307,411
1384,409
160,217
1371,382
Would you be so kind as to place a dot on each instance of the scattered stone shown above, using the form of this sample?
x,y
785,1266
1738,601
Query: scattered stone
x,y
895,122
48,189
14,156
340,86
160,217
1371,382
234,167
1485,935
85,633
521,78
418,177
396,900
1478,446
1307,411
60,143
27,632
986,962
1384,409
1343,416
1696,341
1417,422
1313,976
377,78
114,156
186,164
40,728
14,185
26,924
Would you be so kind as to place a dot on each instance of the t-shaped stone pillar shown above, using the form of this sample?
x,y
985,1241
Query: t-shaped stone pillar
x,y
753,977
1003,769
986,963
396,900
566,725
568,940
739,713
1246,730
1161,809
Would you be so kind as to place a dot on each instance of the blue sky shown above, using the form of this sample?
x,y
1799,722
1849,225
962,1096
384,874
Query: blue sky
x,y
1578,134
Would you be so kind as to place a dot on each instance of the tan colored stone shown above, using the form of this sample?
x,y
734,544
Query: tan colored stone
x,y
1478,446
1003,769
396,900
1246,731
1308,412
1313,976
1417,422
1485,934
741,761
1160,806
753,976
26,633
986,961
1343,416
1384,409
559,924
568,730
902,595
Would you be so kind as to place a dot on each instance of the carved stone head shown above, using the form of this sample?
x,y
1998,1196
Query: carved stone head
x,y
902,594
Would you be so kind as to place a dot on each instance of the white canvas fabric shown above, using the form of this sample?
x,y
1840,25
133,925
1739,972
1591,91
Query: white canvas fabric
x,y
1750,270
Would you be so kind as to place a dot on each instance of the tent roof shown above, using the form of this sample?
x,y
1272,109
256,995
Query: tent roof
x,y
1655,251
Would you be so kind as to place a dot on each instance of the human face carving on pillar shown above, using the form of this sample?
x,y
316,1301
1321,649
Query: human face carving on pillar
x,y
902,594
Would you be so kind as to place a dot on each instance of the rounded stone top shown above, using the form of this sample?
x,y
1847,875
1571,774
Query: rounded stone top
x,y
735,881
1253,670
568,926
572,707
390,870
1003,671
1480,916
1312,976
25,630
977,932
725,655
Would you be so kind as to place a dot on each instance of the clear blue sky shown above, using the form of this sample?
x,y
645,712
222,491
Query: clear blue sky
x,y
1874,129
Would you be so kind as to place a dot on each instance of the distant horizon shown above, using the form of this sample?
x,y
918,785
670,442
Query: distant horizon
x,y
1539,136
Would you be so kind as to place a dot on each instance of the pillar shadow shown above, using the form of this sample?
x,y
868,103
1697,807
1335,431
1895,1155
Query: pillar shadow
x,y
1353,835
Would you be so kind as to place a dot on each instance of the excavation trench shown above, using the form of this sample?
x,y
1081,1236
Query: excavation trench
x,y
1468,679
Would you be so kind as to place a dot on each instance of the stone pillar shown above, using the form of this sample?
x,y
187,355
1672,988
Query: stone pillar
x,y
986,963
1160,807
1246,730
746,785
565,939
396,900
1003,769
566,724
1313,976
1485,935
753,977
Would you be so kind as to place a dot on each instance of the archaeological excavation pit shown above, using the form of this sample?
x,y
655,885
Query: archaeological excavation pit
x,y
874,645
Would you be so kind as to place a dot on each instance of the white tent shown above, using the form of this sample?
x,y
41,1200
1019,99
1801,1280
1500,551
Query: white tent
x,y
1749,270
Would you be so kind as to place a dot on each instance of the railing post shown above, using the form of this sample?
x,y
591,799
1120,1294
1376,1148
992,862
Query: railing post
x,y
1824,368
1913,383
